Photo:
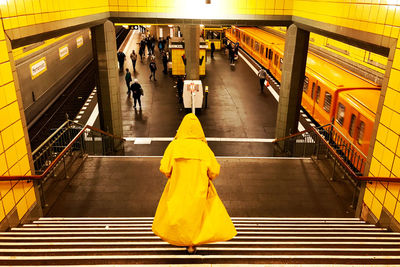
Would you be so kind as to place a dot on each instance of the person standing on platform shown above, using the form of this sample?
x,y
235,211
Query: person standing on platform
x,y
137,93
179,86
133,58
190,213
153,68
128,79
165,62
121,58
212,49
262,74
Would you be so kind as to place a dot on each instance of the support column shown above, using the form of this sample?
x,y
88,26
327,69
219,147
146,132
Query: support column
x,y
191,35
105,55
293,71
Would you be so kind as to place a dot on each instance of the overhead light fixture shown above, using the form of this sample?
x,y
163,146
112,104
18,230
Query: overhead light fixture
x,y
208,1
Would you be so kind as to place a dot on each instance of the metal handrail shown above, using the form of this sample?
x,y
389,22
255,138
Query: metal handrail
x,y
59,156
333,151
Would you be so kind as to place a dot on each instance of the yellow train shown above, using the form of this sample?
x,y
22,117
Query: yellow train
x,y
213,34
331,93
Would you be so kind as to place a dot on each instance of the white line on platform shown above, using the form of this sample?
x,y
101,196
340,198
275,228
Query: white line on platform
x,y
93,116
218,157
78,117
272,91
146,140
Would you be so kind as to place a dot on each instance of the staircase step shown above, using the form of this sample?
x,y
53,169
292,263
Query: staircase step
x,y
277,243
109,232
205,259
264,240
115,228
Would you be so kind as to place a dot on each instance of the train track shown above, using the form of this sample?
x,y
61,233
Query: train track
x,y
70,102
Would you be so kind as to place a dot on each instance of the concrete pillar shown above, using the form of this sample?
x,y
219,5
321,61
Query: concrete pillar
x,y
293,71
191,35
105,55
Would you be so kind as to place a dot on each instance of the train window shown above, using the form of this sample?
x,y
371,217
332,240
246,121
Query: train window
x,y
361,129
251,43
262,49
276,60
237,34
266,52
270,54
340,114
312,90
256,46
352,123
327,102
318,94
305,86
243,37
247,39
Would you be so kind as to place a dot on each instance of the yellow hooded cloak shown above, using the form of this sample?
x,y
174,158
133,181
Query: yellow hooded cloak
x,y
190,212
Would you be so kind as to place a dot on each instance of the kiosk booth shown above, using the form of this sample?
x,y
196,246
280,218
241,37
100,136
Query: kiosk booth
x,y
178,59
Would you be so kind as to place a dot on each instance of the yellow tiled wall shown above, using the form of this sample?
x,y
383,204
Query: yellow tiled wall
x,y
19,13
13,150
193,8
382,18
355,54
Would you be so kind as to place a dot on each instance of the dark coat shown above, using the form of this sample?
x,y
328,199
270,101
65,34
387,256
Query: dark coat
x,y
136,90
153,66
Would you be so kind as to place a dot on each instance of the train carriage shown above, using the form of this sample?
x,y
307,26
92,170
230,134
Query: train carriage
x,y
331,93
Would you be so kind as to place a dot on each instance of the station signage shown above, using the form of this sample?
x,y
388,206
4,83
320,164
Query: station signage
x,y
79,41
63,51
38,67
175,46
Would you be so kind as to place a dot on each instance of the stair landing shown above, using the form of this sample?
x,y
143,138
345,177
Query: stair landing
x,y
249,187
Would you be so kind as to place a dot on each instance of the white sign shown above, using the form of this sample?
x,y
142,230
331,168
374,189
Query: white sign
x,y
79,41
196,87
38,67
63,51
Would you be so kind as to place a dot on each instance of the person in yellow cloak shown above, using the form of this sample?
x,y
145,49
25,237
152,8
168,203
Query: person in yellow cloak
x,y
190,213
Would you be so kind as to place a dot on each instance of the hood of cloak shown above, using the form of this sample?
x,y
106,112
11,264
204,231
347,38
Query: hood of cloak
x,y
190,128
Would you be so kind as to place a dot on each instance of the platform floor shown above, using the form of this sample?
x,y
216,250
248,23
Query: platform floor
x,y
131,186
236,107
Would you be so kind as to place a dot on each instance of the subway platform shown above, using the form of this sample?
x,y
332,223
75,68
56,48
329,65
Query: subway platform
x,y
239,124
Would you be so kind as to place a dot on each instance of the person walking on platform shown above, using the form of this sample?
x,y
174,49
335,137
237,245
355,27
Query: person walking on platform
x,y
142,48
212,49
231,55
165,62
262,74
190,213
121,58
153,68
128,79
133,58
137,93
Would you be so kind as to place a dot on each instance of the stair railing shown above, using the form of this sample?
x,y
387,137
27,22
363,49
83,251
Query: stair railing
x,y
61,149
327,141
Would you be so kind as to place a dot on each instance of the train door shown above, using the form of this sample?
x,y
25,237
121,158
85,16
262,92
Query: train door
x,y
361,133
315,95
